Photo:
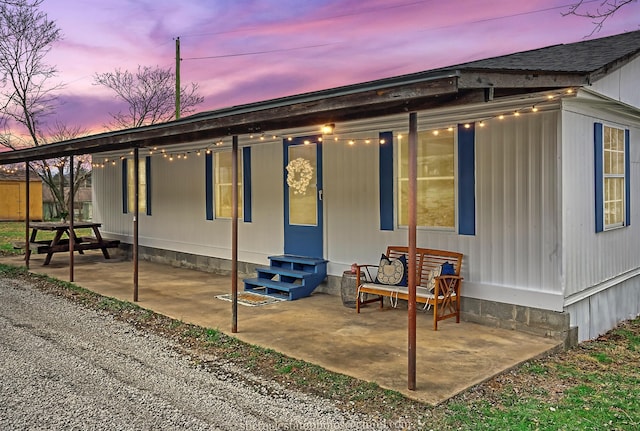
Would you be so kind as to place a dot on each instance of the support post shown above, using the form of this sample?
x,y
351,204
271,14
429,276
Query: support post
x,y
234,235
27,216
136,212
177,78
412,198
72,234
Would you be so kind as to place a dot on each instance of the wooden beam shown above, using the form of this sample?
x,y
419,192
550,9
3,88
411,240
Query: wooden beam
x,y
297,111
520,80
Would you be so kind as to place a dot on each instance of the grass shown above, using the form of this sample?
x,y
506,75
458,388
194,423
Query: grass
x,y
11,233
595,386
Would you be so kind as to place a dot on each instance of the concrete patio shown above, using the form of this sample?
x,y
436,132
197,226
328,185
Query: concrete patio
x,y
371,346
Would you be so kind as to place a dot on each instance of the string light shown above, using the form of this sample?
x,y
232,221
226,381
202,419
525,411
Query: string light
x,y
350,141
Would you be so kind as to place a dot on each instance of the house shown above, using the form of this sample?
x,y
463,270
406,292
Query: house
x,y
527,164
82,203
13,196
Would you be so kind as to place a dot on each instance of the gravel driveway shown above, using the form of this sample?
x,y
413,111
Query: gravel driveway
x,y
64,367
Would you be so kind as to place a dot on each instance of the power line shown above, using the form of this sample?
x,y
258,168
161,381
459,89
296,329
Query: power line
x,y
512,15
362,12
259,52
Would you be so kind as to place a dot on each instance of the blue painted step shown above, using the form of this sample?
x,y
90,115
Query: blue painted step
x,y
288,276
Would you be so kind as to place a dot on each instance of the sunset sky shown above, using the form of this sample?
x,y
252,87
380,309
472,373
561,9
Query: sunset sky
x,y
242,51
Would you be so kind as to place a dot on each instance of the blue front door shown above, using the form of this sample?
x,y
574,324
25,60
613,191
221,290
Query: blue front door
x,y
303,197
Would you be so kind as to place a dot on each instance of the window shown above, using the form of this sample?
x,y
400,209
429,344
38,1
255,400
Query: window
x,y
436,194
612,182
614,175
223,184
128,185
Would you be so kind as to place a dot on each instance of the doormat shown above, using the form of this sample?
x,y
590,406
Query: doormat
x,y
251,299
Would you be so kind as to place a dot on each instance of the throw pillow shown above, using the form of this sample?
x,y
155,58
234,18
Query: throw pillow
x,y
393,272
433,274
448,269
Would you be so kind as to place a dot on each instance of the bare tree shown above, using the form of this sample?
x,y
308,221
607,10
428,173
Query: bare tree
x,y
603,11
26,37
149,94
27,95
55,172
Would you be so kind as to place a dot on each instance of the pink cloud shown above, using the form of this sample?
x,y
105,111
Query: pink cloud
x,y
340,42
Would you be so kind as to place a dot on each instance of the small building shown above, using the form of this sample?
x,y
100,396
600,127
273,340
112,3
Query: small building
x,y
13,196
82,203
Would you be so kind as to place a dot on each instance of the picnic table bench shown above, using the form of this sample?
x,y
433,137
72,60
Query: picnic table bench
x,y
434,287
59,244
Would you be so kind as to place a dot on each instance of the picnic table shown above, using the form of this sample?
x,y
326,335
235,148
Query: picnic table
x,y
60,244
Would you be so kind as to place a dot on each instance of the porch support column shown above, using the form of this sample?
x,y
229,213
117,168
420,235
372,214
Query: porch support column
x,y
234,235
413,192
136,213
71,231
27,216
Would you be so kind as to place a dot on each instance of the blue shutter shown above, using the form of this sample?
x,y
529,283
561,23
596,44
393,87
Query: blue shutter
x,y
246,183
466,180
386,181
627,179
147,174
598,174
208,187
125,200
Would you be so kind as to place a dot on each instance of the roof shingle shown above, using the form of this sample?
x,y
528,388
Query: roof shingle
x,y
580,57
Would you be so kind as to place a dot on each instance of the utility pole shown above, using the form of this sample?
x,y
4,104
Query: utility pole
x,y
177,78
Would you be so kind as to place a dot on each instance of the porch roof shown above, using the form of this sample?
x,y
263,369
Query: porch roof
x,y
559,66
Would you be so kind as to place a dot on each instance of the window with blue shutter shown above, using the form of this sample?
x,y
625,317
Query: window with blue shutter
x,y
128,185
219,181
612,177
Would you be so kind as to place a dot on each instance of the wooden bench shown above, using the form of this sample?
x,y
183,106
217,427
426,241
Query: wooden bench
x,y
83,243
444,298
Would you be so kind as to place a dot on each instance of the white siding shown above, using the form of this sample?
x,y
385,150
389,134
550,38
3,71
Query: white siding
x,y
517,202
512,258
514,255
589,258
600,312
178,220
621,84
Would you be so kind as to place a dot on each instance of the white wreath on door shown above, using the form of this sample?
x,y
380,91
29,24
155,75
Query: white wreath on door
x,y
299,175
